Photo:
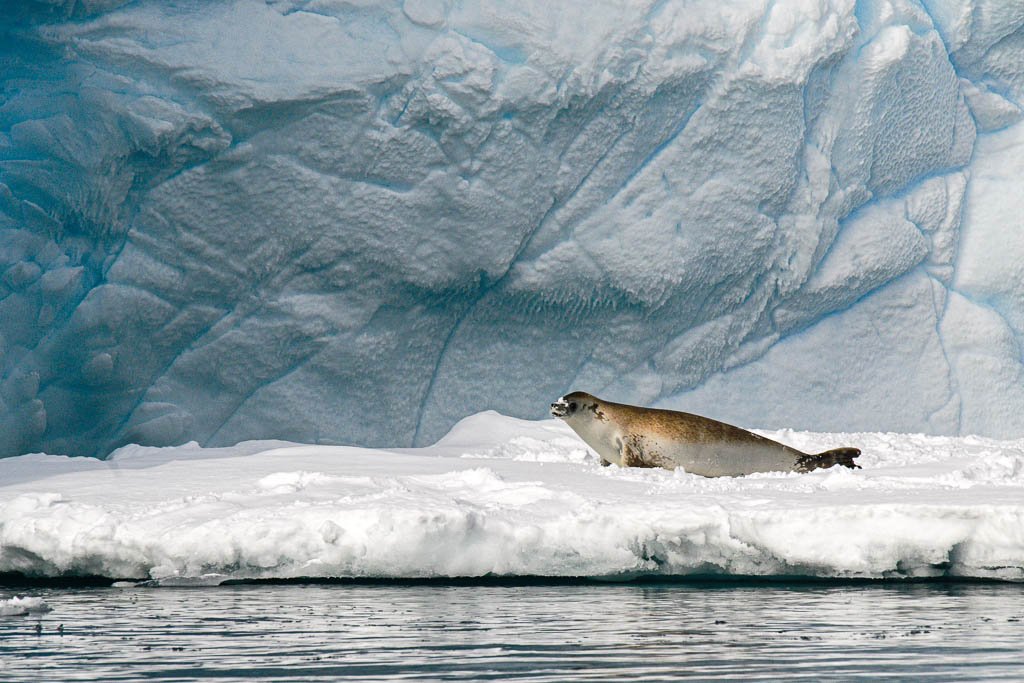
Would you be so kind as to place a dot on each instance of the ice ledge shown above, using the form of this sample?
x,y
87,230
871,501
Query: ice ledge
x,y
506,497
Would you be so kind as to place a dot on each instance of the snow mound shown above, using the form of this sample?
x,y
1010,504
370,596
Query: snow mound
x,y
506,497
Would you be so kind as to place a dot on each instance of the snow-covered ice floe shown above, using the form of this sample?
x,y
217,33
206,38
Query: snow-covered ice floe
x,y
500,496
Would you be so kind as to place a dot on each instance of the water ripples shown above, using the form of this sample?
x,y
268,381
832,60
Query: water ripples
x,y
537,632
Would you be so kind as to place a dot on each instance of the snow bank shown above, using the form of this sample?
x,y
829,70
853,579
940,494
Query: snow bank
x,y
339,222
500,496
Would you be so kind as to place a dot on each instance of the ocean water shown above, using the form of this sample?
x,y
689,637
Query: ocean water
x,y
519,631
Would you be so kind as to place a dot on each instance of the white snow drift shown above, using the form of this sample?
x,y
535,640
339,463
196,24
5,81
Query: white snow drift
x,y
500,496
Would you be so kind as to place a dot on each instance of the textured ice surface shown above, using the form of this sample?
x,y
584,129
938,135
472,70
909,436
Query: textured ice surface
x,y
501,496
341,222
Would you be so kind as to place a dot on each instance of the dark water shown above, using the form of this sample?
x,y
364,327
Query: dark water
x,y
647,632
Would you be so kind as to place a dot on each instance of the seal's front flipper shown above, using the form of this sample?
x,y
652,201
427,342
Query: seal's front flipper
x,y
836,456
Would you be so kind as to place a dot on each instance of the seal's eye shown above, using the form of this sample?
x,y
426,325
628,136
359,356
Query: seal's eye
x,y
572,407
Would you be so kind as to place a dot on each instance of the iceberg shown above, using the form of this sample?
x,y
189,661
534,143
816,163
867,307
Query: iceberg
x,y
357,223
505,497
19,606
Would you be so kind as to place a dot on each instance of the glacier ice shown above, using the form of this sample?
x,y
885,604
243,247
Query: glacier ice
x,y
339,222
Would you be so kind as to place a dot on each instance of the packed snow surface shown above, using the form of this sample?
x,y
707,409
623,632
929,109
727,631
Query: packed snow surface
x,y
502,496
359,222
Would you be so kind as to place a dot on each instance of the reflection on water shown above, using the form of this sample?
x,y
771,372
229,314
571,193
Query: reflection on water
x,y
525,632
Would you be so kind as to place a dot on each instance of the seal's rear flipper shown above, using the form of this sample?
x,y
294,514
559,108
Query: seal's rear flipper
x,y
836,456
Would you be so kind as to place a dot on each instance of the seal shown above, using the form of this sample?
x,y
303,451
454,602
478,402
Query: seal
x,y
632,436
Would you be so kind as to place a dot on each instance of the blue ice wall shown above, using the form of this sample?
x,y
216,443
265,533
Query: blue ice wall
x,y
359,222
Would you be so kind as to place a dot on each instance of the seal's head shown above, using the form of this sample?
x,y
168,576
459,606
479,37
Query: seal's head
x,y
589,417
575,405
